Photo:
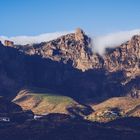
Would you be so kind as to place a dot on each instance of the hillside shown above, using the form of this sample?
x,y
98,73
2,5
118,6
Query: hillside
x,y
81,94
42,102
68,66
113,108
125,104
8,107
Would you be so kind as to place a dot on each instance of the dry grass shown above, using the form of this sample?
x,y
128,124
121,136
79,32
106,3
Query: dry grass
x,y
44,103
126,104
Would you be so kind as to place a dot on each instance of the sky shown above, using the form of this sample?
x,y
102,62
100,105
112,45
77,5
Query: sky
x,y
99,17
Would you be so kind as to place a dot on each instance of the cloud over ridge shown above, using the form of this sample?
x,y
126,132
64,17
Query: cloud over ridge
x,y
23,40
99,43
111,40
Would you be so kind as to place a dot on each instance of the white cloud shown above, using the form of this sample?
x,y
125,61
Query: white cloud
x,y
111,40
23,40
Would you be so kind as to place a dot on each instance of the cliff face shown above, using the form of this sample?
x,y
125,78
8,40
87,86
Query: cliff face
x,y
73,47
77,48
8,43
69,66
125,57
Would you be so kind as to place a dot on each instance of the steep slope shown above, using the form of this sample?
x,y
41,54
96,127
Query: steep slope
x,y
77,48
122,60
125,58
68,66
74,47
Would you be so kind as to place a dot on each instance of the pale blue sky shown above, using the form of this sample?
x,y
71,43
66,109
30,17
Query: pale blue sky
x,y
32,17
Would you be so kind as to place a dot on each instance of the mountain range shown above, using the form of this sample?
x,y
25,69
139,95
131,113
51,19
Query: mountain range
x,y
65,76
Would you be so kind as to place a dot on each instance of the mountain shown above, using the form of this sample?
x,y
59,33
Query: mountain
x,y
76,47
80,93
42,102
68,66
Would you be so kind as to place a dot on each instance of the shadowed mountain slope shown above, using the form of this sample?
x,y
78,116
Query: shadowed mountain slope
x,y
68,66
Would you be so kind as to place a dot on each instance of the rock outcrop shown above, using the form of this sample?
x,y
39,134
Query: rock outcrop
x,y
68,65
76,48
79,35
73,47
8,43
125,57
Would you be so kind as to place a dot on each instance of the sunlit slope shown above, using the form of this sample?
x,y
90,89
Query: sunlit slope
x,y
44,102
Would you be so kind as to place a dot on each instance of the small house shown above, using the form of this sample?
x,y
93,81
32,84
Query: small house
x,y
4,119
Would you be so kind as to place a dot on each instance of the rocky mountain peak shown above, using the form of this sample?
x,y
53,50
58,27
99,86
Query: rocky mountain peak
x,y
71,47
65,60
8,43
79,34
75,47
124,58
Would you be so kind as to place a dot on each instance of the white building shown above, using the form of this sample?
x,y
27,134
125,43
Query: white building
x,y
4,119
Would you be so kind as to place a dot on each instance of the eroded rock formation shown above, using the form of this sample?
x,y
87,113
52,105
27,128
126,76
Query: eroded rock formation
x,y
8,43
68,65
